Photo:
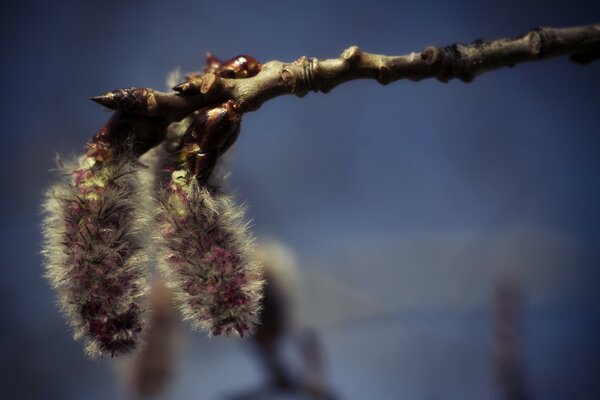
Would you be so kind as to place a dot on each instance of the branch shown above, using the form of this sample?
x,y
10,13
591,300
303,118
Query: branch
x,y
276,78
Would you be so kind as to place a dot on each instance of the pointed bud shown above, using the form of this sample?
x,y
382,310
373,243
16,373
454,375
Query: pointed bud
x,y
195,84
105,100
140,101
186,87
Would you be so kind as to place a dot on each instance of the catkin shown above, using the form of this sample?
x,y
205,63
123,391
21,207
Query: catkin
x,y
93,247
207,254
207,258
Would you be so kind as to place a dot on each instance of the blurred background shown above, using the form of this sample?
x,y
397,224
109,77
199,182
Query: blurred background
x,y
446,236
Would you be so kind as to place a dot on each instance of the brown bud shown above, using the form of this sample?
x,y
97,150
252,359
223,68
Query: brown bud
x,y
186,87
140,101
197,83
242,66
211,133
141,133
212,63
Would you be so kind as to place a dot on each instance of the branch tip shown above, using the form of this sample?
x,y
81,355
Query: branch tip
x,y
106,100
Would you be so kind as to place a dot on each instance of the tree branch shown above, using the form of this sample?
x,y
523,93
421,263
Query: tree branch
x,y
277,78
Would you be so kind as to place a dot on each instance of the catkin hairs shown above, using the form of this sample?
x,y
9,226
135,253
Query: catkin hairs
x,y
94,238
207,252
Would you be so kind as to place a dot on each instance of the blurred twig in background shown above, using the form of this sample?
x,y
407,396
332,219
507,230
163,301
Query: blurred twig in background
x,y
148,372
279,326
508,357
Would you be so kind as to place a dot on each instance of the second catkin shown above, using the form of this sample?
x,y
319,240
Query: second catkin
x,y
206,250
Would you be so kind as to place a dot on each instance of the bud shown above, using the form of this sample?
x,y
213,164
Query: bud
x,y
93,247
188,87
196,83
212,131
242,66
139,101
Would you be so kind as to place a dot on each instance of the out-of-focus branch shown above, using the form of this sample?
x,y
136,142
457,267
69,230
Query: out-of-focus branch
x,y
508,349
277,78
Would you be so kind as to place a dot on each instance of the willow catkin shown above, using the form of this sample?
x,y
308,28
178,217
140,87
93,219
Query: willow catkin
x,y
93,246
207,254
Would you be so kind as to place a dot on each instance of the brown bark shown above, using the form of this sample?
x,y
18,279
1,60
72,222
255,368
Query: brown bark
x,y
277,78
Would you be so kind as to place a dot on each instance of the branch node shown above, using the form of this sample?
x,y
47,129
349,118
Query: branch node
x,y
539,41
351,54
384,75
430,55
446,62
289,79
300,81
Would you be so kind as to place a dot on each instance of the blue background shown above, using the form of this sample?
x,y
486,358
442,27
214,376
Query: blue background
x,y
405,204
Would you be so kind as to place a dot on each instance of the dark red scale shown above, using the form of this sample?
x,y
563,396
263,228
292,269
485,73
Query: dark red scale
x,y
209,135
139,132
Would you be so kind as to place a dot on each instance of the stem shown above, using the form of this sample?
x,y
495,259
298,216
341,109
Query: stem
x,y
276,78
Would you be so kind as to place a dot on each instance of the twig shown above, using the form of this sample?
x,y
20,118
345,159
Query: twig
x,y
277,78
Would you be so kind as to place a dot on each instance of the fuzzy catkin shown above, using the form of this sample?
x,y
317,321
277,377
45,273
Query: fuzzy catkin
x,y
207,256
93,246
